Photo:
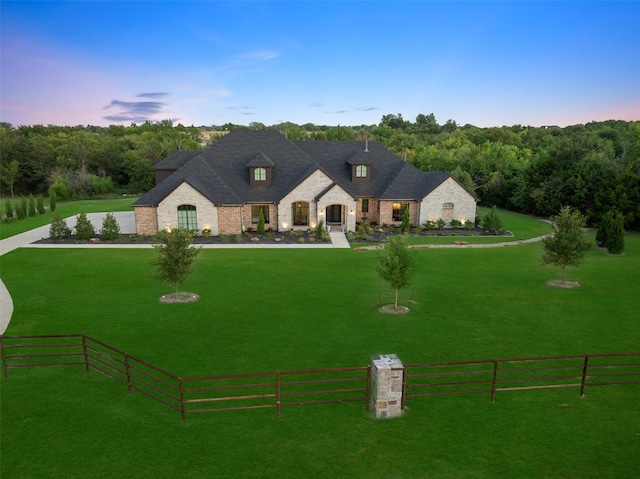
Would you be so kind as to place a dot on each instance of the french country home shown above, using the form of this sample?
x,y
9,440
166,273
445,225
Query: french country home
x,y
295,185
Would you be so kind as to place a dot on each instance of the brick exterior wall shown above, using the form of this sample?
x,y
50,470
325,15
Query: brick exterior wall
x,y
372,216
273,217
450,191
230,219
386,212
146,220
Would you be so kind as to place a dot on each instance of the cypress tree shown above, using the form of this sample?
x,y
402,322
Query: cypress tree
x,y
603,229
40,205
52,201
614,241
31,210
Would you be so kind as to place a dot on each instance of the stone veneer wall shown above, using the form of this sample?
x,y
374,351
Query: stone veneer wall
x,y
449,191
306,191
185,194
387,373
337,196
146,220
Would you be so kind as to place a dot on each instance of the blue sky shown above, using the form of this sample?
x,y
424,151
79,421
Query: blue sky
x,y
328,63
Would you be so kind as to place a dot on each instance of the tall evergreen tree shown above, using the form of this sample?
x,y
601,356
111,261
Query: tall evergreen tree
x,y
615,238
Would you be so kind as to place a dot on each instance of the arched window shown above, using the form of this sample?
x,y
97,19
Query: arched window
x,y
187,217
361,171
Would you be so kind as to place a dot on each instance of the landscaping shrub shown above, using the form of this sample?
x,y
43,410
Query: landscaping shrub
x,y
455,224
406,221
21,209
491,222
8,208
110,228
59,228
52,201
84,228
260,227
319,230
40,205
31,208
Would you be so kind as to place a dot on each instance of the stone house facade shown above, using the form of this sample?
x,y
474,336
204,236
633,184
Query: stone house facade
x,y
294,185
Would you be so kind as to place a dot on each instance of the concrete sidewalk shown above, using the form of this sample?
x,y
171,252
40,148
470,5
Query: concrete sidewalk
x,y
126,221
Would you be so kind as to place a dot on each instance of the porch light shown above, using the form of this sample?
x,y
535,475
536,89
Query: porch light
x,y
351,213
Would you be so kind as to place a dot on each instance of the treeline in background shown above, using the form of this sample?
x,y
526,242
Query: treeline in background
x,y
594,167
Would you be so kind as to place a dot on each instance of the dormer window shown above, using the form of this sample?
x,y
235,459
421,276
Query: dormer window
x,y
360,164
260,170
260,174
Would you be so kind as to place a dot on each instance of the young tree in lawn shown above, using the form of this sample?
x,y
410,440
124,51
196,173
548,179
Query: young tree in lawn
x,y
567,245
397,265
175,256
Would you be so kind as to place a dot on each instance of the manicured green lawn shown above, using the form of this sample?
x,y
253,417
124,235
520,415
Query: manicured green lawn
x,y
267,310
65,209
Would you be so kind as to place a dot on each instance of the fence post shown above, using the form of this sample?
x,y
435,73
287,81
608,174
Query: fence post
x,y
278,393
583,383
388,376
85,353
404,386
494,384
182,409
128,372
4,360
368,391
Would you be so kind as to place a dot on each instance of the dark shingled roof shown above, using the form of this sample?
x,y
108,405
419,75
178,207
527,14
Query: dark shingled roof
x,y
175,160
221,173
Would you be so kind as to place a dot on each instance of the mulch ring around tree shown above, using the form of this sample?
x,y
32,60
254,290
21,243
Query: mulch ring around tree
x,y
391,309
556,283
180,297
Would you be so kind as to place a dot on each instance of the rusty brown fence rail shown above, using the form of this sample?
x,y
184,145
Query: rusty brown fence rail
x,y
319,386
277,390
189,395
493,376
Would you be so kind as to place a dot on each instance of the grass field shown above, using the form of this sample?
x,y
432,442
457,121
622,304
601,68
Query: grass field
x,y
271,310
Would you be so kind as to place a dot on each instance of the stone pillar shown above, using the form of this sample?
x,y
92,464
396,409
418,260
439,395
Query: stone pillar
x,y
386,385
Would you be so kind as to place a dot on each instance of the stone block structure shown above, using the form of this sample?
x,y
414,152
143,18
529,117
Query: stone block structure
x,y
387,373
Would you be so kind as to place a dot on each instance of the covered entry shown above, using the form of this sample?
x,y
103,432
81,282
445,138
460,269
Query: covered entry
x,y
335,215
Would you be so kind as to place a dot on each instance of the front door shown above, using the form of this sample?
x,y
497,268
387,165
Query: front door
x,y
334,214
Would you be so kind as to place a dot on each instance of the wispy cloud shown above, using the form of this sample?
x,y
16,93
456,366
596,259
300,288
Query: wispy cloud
x,y
152,95
136,111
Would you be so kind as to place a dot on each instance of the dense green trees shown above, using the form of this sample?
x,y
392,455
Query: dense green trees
x,y
593,167
84,161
